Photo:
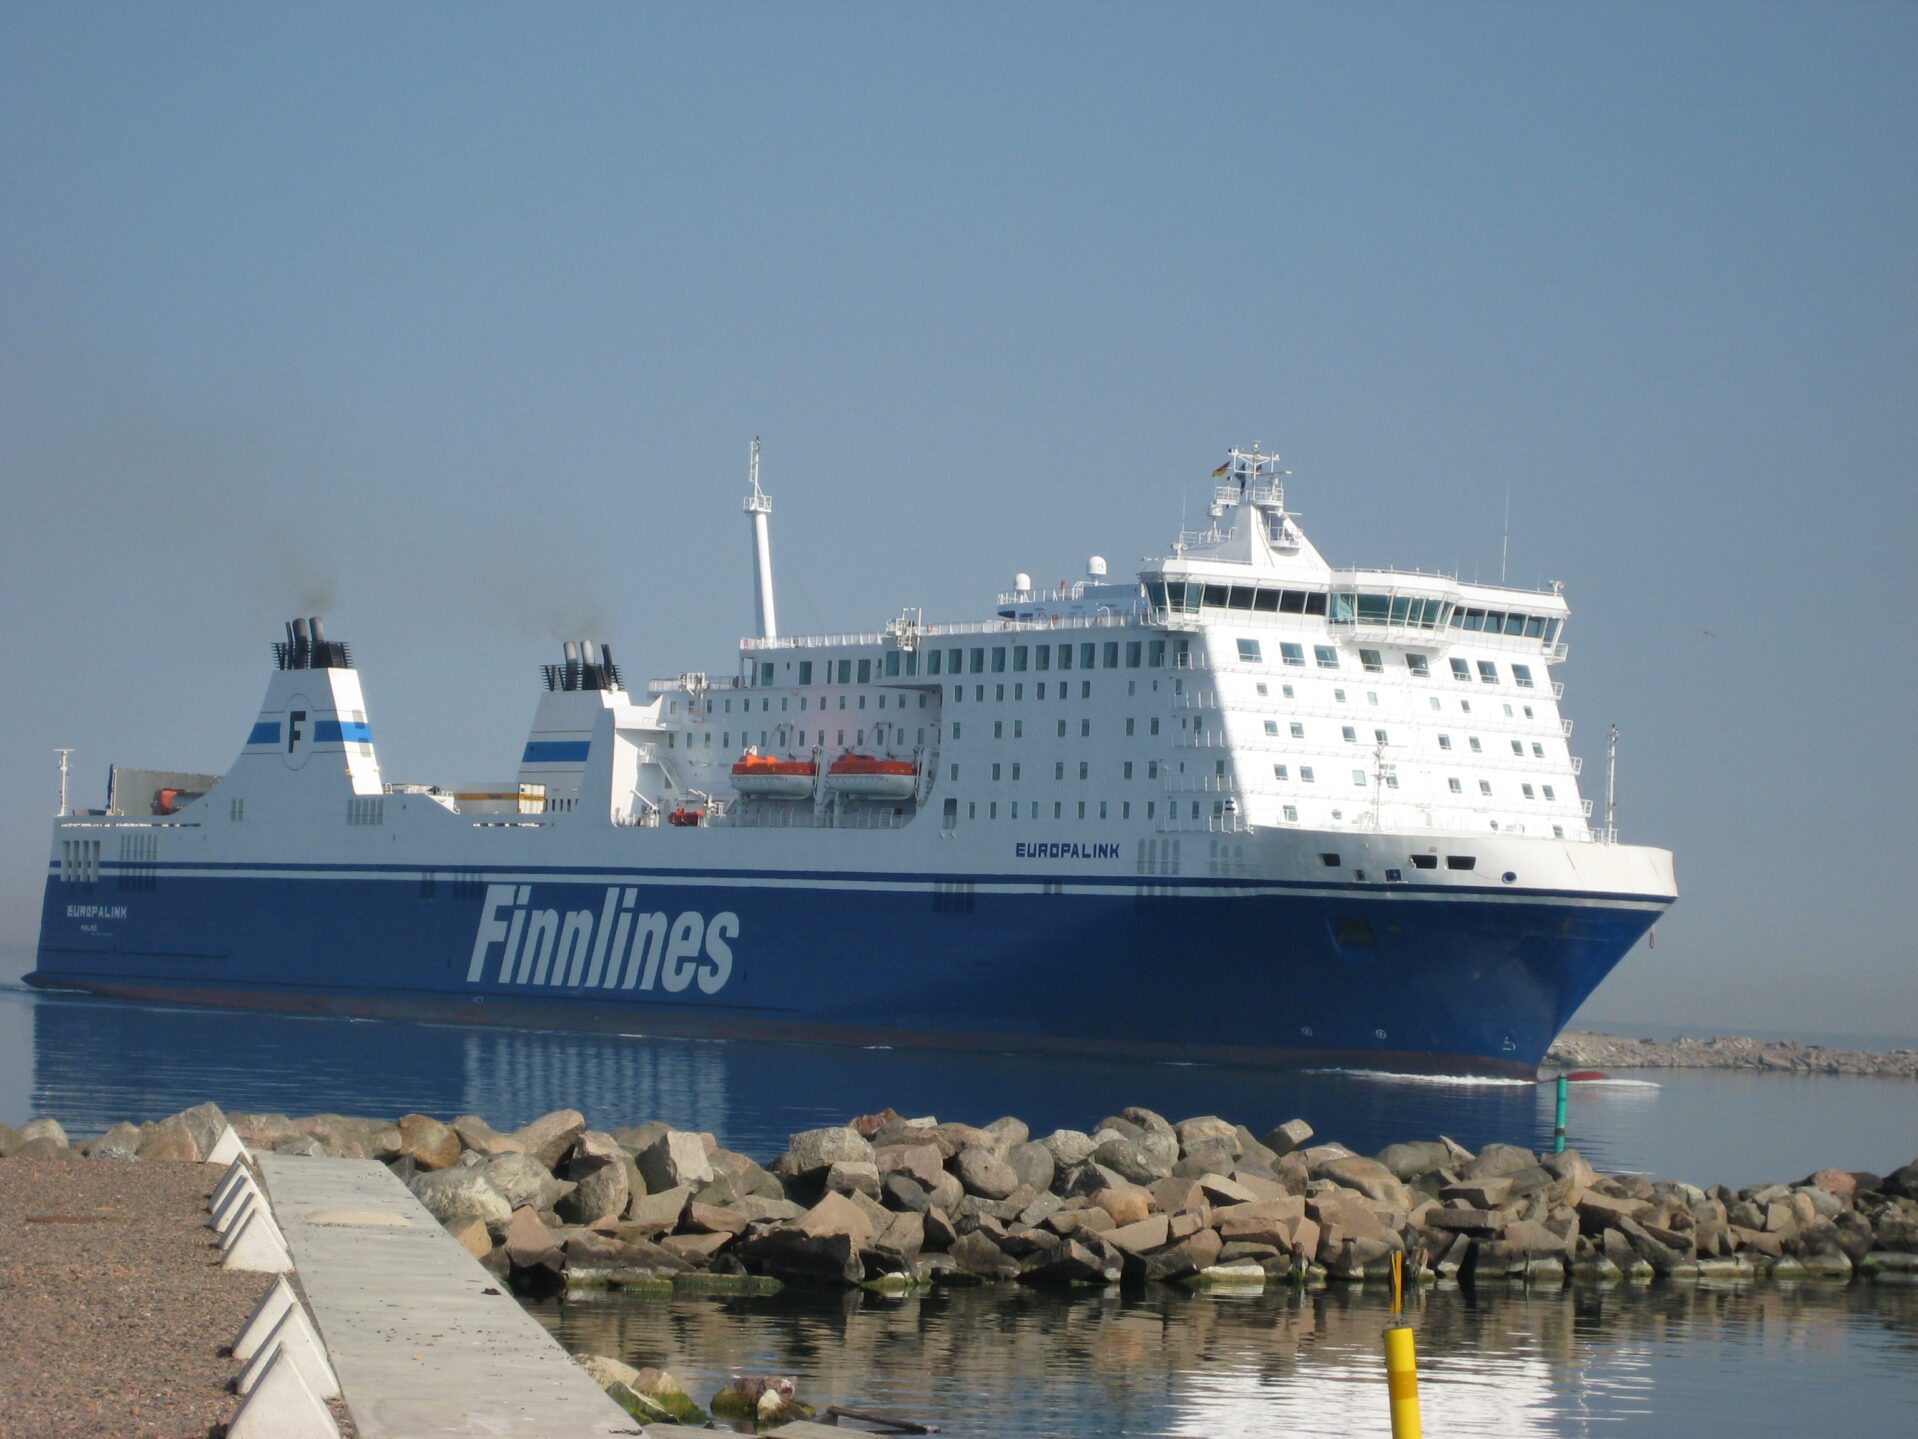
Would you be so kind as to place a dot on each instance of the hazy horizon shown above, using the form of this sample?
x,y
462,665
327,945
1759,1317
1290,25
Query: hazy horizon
x,y
455,324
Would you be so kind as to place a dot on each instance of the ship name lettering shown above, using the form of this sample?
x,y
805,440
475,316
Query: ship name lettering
x,y
1064,849
612,947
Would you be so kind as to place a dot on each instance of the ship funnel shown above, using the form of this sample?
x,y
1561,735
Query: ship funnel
x,y
319,632
589,652
301,649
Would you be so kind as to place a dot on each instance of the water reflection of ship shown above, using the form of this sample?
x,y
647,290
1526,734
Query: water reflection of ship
x,y
1166,1363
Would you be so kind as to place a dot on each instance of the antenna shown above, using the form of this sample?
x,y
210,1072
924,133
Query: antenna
x,y
63,753
760,506
1505,548
1611,787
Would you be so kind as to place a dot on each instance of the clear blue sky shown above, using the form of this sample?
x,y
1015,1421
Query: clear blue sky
x,y
457,320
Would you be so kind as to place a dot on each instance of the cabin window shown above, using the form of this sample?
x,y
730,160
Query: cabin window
x,y
1133,652
1272,727
1417,665
1279,771
1424,861
979,660
1329,860
1373,664
1305,774
1487,672
1292,812
933,665
892,662
1327,656
805,677
1526,789
1019,656
1454,785
1461,861
1378,736
998,659
1111,656
1298,730
1522,676
1348,734
1445,741
1358,777
1155,654
1292,654
1485,787
1087,655
1460,669
1065,657
1549,794
1249,652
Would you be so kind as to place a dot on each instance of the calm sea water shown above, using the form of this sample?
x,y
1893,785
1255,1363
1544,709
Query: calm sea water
x,y
1692,1361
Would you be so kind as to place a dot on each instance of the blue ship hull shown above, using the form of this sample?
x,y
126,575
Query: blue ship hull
x,y
1408,978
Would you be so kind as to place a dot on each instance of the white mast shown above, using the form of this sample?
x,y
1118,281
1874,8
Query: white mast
x,y
63,753
1611,787
760,506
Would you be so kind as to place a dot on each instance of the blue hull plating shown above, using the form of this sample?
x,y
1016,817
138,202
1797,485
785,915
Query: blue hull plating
x,y
1459,982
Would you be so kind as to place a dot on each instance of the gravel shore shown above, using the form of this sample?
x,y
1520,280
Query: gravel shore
x,y
113,1306
1583,1049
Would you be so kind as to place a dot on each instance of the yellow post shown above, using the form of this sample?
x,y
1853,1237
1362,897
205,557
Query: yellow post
x,y
1401,1366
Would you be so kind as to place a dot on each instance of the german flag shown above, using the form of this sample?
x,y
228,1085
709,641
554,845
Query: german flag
x,y
1219,473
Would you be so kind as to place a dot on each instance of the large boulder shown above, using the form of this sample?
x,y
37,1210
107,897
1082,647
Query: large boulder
x,y
658,1212
1369,1178
1068,1147
1291,1135
45,1127
814,1150
1207,1129
983,1173
600,1190
480,1137
206,1123
428,1143
921,1163
1419,1156
521,1180
676,1158
978,1254
551,1137
167,1140
1032,1163
1132,1160
120,1142
1496,1161
451,1194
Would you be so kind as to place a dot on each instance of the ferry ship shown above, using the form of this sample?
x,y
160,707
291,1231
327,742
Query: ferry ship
x,y
1241,807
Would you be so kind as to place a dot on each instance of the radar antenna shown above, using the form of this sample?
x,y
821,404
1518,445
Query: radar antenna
x,y
63,753
760,506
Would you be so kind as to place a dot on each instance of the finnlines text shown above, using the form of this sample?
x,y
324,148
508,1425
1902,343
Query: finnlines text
x,y
1063,849
616,947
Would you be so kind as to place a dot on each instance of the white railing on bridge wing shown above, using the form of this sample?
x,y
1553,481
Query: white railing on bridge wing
x,y
1116,619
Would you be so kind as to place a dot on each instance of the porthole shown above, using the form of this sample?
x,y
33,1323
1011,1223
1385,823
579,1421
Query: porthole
x,y
1509,877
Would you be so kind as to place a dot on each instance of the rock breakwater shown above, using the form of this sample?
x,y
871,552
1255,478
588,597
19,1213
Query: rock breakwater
x,y
1583,1049
890,1202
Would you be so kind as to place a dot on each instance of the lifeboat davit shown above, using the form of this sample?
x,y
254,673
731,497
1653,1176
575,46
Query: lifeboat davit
x,y
864,776
761,776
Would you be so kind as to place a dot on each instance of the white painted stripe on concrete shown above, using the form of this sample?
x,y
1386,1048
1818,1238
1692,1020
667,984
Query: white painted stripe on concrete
x,y
426,1343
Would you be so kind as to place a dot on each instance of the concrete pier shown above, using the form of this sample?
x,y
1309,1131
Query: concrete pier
x,y
425,1342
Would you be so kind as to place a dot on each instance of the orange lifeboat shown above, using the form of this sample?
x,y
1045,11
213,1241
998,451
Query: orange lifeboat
x,y
865,776
685,818
762,776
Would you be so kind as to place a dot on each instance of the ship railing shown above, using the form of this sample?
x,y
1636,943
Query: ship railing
x,y
1104,620
1226,823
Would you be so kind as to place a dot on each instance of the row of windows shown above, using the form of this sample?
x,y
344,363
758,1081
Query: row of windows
x,y
1453,783
983,659
1351,607
1326,657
